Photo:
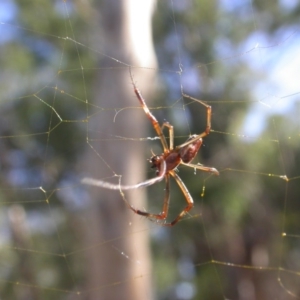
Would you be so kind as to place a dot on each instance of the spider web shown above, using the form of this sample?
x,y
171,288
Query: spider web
x,y
241,240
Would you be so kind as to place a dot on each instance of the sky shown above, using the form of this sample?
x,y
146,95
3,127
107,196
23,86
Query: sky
x,y
279,91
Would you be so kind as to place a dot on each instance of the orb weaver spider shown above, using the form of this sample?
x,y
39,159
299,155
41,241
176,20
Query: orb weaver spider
x,y
166,163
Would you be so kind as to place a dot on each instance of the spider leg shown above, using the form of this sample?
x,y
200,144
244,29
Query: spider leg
x,y
202,168
112,186
150,116
164,213
188,198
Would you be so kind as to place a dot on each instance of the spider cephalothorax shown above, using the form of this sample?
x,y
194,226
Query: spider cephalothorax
x,y
166,163
156,161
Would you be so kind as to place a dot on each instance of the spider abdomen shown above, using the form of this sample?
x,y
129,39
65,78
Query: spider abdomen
x,y
188,152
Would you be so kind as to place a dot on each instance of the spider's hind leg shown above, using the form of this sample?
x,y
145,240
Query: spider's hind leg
x,y
208,115
188,198
164,213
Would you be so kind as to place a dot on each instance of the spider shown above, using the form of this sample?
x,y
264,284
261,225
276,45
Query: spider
x,y
166,164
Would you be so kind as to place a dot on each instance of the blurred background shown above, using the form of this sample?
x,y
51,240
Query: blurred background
x,y
68,111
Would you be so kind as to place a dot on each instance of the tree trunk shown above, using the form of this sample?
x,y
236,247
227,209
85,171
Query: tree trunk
x,y
118,254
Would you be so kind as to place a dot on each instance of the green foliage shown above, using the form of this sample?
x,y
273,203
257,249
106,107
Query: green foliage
x,y
239,211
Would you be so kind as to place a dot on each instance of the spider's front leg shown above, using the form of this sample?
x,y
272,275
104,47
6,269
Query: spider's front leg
x,y
150,116
171,134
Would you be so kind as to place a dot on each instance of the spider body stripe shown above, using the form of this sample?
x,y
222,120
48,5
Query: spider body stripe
x,y
166,163
161,171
